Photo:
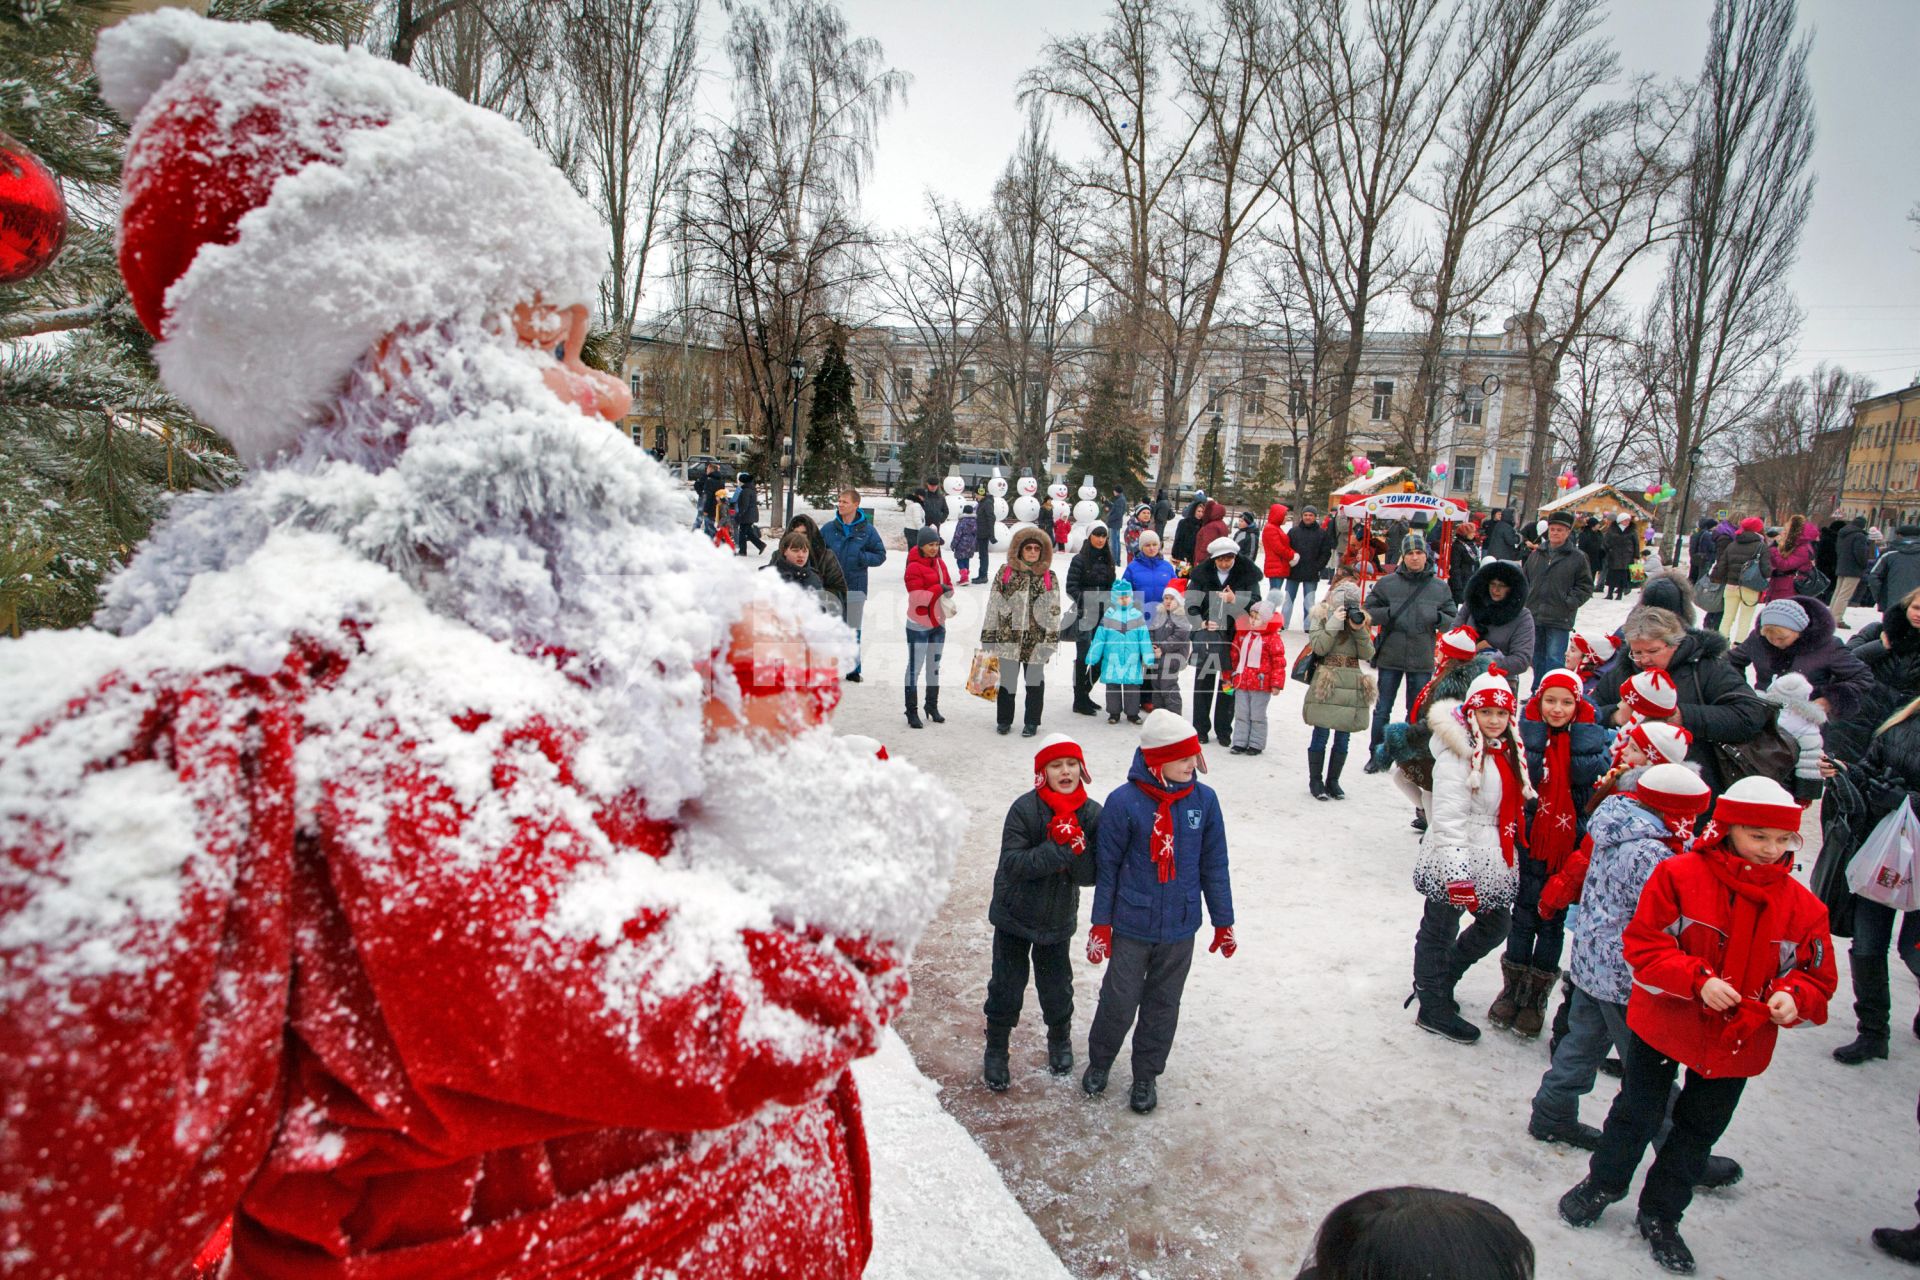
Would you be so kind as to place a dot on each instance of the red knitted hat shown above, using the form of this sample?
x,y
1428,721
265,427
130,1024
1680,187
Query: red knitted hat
x,y
1460,644
1059,746
1651,694
1567,682
1673,790
1166,737
1757,802
1600,650
1661,742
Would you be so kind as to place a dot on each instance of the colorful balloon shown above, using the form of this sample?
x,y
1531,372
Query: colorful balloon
x,y
1439,471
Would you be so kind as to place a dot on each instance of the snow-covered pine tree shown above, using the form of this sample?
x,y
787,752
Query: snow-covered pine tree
x,y
836,453
90,444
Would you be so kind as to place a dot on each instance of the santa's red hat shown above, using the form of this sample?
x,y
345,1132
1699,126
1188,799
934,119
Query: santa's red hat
x,y
1650,694
1757,802
1460,644
1165,737
287,205
1058,746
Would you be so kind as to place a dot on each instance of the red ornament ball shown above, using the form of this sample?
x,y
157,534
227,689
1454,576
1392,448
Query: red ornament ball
x,y
33,213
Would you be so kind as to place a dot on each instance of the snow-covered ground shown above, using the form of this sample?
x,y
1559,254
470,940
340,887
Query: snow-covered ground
x,y
1297,1079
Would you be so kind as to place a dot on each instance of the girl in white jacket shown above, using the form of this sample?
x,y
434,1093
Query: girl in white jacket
x,y
1469,858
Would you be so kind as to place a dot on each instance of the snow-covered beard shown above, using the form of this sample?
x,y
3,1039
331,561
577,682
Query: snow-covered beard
x,y
449,462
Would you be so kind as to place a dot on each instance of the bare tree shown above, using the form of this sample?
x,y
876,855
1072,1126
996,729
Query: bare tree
x,y
931,284
1026,281
1794,455
773,218
497,54
1356,118
630,70
1602,418
1609,203
1724,314
1523,68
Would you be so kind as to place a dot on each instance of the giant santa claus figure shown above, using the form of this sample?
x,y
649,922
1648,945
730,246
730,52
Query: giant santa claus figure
x,y
435,863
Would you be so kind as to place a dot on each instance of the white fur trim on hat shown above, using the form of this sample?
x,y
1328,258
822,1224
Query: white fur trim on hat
x,y
1222,547
446,212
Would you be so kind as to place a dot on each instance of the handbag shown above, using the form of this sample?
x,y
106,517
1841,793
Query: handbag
x,y
1710,596
1305,665
1755,576
1770,753
983,677
1811,582
1828,882
1883,870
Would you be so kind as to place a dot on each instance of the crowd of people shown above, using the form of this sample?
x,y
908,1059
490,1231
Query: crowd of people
x,y
1624,833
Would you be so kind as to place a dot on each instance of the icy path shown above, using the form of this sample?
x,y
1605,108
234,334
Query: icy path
x,y
1297,1079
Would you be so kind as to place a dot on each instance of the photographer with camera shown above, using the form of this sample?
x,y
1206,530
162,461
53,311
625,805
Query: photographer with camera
x,y
1339,691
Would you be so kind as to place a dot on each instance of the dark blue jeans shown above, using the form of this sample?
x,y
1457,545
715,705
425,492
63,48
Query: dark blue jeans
x,y
1873,932
1549,650
1318,742
1391,682
1534,942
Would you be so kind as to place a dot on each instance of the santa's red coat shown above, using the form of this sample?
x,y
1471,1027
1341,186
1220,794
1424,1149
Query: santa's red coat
x,y
375,1053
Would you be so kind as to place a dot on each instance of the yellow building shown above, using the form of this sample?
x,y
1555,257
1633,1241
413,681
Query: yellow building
x,y
1883,466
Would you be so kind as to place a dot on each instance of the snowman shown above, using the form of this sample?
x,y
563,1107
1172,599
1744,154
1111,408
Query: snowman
x,y
1057,492
955,488
1026,507
1086,513
996,509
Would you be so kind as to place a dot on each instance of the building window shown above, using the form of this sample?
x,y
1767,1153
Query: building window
x,y
903,383
1382,399
1215,388
1290,463
1297,397
1473,406
706,439
1249,461
1256,396
1143,395
1510,468
660,441
1464,467
969,379
1063,450
634,384
873,383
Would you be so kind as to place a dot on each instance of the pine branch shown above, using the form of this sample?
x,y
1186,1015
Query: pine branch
x,y
54,321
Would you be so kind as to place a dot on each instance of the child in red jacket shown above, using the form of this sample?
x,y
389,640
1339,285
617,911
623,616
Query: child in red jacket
x,y
1259,672
1725,947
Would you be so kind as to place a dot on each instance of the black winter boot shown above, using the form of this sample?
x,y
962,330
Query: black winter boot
x,y
933,706
1060,1049
1663,1238
1872,1011
1513,978
1582,1206
1719,1173
1571,1132
1335,763
1440,1015
1316,766
1904,1245
995,1070
1144,1097
913,708
1030,716
1093,1081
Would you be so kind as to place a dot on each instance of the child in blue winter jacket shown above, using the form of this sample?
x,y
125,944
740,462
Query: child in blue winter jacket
x,y
1122,649
966,533
1162,848
1567,751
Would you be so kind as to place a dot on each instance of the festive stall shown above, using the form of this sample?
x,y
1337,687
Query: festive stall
x,y
1357,514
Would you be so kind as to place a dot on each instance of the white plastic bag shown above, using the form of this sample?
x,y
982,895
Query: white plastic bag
x,y
1883,869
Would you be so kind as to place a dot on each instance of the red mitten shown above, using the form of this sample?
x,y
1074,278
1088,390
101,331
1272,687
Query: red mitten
x,y
1223,943
1099,943
1461,894
1557,894
1066,833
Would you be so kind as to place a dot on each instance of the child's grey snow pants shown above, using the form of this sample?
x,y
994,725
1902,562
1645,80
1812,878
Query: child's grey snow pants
x,y
1144,978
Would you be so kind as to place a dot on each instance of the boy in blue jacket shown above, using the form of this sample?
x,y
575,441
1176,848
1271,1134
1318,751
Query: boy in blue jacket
x,y
1162,847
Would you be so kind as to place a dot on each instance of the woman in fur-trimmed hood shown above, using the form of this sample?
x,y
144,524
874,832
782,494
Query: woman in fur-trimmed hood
x,y
1022,624
1496,607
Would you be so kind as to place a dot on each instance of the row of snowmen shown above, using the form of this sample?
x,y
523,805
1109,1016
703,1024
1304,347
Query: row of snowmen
x,y
1026,507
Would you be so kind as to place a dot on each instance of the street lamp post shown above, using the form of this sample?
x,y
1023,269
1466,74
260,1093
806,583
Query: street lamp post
x,y
1686,500
797,371
1219,446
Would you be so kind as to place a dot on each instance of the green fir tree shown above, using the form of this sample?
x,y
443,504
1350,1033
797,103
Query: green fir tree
x,y
1108,444
836,453
91,446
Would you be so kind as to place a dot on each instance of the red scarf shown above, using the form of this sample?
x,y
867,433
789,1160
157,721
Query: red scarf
x,y
1064,830
1751,962
1556,826
1512,800
1161,845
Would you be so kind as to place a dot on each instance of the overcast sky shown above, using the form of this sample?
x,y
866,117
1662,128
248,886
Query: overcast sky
x,y
1858,277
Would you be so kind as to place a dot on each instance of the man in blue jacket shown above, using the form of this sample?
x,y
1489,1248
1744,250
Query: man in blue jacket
x,y
856,544
1162,846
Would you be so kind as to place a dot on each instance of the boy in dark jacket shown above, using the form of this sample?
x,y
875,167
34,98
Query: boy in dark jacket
x,y
1726,947
965,532
1046,857
1162,847
1171,632
1220,590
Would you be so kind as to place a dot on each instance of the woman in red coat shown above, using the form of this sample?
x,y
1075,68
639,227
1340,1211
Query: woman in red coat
x,y
1276,550
1726,947
1792,556
929,601
404,872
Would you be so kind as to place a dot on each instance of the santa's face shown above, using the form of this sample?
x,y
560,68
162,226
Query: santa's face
x,y
538,326
785,687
